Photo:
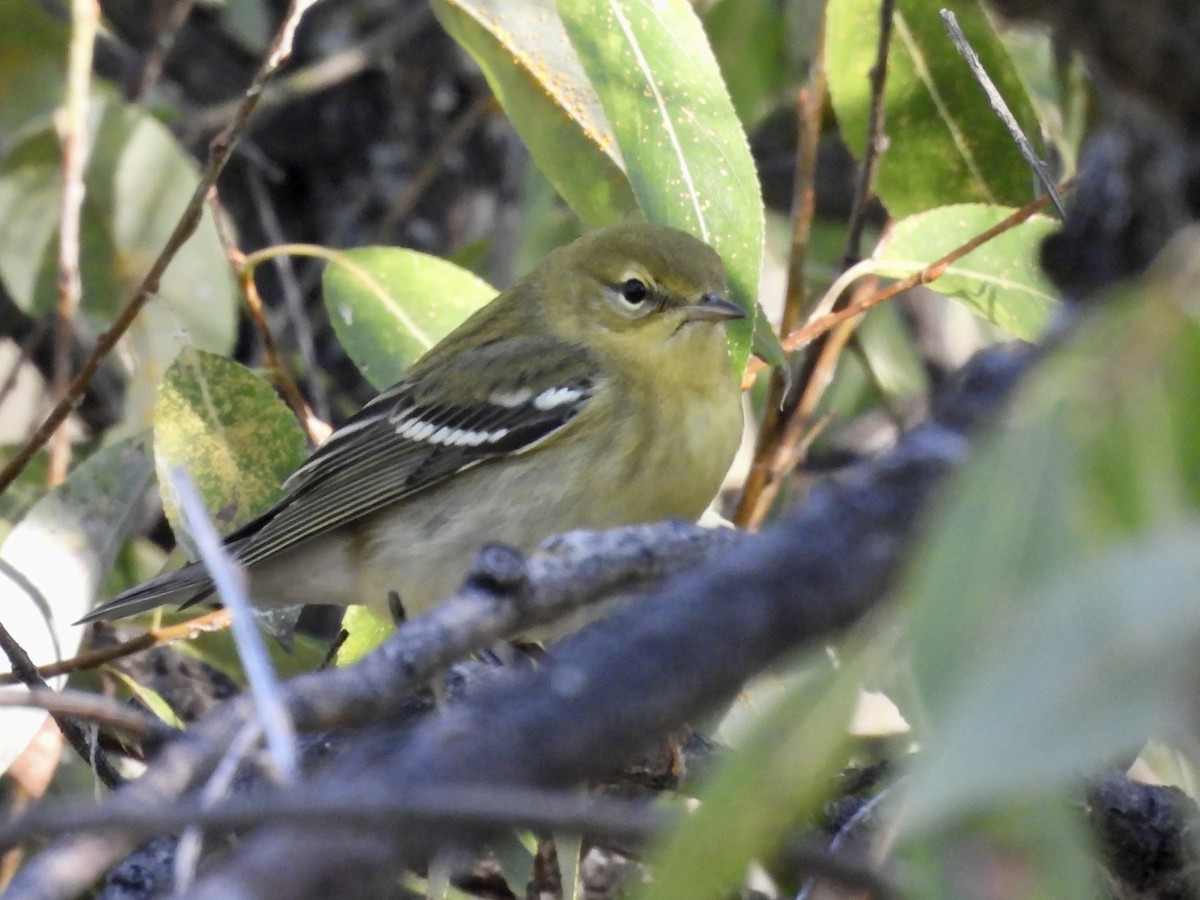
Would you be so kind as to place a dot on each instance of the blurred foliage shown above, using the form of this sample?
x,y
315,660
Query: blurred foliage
x,y
1043,629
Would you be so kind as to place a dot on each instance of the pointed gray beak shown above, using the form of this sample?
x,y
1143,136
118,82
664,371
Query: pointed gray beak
x,y
713,308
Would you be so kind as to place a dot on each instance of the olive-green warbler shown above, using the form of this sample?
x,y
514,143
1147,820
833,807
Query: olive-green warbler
x,y
595,392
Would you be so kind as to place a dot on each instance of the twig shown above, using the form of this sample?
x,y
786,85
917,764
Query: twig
x,y
191,841
465,805
93,659
230,583
219,151
811,104
875,139
24,669
794,435
85,19
293,295
576,569
244,274
821,324
779,454
1001,109
91,707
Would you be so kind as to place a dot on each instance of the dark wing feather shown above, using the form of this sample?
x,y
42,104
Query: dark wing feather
x,y
417,434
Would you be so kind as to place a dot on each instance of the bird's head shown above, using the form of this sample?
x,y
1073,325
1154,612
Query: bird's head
x,y
640,289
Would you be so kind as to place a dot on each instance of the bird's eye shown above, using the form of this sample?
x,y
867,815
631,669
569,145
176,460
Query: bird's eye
x,y
634,291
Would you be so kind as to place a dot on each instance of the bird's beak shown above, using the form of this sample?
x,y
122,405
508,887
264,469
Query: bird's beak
x,y
713,308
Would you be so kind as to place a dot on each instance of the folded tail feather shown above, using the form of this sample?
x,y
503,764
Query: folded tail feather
x,y
183,587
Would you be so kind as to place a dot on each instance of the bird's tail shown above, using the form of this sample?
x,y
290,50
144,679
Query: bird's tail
x,y
185,586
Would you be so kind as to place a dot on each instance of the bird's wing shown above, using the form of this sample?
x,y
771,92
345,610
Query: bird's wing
x,y
507,398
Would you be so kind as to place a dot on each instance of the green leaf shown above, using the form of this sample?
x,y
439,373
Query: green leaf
x,y
1043,844
944,143
684,149
150,698
1055,596
1087,673
218,649
389,305
766,344
226,427
1000,281
33,53
523,51
54,562
778,776
748,39
368,629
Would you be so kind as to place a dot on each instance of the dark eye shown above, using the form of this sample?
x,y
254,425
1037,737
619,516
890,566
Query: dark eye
x,y
634,291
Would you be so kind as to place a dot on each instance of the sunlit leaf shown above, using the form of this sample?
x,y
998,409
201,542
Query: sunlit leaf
x,y
944,143
683,146
1000,281
226,427
54,562
389,305
522,49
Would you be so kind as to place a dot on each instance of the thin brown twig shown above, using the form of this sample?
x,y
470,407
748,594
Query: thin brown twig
x,y
292,293
217,620
279,372
28,675
795,431
85,21
778,454
810,102
91,707
818,326
875,139
219,151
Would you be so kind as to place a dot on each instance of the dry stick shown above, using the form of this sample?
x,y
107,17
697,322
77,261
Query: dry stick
x,y
1000,108
874,149
821,324
293,296
795,434
85,18
575,569
219,151
93,659
780,454
811,104
25,670
469,805
244,274
91,707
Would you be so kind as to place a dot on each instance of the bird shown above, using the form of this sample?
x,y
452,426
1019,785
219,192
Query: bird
x,y
598,391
